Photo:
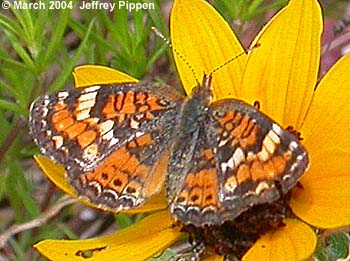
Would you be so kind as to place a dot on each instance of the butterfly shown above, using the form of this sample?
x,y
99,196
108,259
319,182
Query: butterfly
x,y
121,143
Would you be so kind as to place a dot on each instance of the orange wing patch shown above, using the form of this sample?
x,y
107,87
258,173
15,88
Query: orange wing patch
x,y
120,105
201,189
156,180
241,129
144,140
117,175
86,138
85,132
256,170
61,121
109,110
128,106
121,181
75,129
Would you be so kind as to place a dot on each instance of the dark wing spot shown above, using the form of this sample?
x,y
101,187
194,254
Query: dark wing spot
x,y
117,182
131,190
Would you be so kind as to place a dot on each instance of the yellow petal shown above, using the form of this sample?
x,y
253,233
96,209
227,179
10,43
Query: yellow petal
x,y
296,241
87,75
156,202
327,124
205,41
56,173
323,199
137,242
282,72
326,131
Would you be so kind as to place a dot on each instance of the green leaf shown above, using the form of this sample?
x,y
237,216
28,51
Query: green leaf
x,y
56,37
334,247
11,25
123,220
6,87
19,193
20,50
338,244
81,30
5,128
72,62
24,19
13,107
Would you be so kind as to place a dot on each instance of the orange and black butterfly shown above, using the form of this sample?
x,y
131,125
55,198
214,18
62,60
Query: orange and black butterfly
x,y
120,143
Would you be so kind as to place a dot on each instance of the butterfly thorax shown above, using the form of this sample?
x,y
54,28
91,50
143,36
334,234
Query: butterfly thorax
x,y
196,106
192,120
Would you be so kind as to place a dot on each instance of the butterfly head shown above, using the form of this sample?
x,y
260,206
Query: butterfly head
x,y
203,91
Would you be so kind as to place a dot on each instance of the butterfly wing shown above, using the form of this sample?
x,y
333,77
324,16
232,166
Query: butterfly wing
x,y
193,181
113,140
241,158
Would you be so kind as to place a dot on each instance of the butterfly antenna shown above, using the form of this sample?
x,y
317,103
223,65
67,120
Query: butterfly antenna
x,y
178,54
235,57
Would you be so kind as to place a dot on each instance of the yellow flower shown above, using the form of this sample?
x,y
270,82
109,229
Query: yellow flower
x,y
282,75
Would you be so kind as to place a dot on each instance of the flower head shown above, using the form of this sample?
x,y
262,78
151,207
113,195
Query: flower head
x,y
282,75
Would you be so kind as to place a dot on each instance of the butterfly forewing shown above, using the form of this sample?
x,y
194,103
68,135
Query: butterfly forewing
x,y
113,140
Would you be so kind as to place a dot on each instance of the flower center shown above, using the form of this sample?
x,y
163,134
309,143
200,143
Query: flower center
x,y
234,238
